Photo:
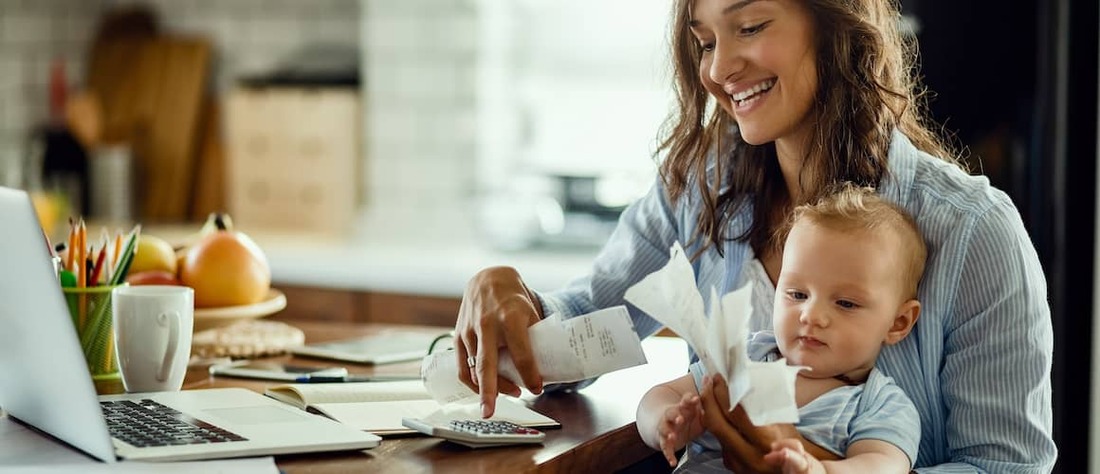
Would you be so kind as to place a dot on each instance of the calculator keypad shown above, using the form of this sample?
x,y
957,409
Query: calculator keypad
x,y
491,427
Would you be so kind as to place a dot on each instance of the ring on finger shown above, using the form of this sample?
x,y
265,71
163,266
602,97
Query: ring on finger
x,y
471,362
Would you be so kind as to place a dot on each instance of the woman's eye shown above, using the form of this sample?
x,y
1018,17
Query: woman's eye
x,y
706,47
752,30
847,304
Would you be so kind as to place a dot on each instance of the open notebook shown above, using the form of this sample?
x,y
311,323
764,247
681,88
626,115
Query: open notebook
x,y
378,407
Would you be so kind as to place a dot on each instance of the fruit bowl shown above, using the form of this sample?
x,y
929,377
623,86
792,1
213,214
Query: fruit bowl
x,y
209,318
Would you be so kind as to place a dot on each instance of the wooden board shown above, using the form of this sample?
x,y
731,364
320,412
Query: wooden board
x,y
113,76
179,68
151,91
209,189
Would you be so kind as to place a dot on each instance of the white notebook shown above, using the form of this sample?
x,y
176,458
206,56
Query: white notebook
x,y
383,348
378,407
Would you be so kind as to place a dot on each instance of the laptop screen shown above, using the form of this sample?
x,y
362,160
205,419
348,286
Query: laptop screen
x,y
46,382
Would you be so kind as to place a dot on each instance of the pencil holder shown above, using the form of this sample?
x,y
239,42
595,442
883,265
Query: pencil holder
x,y
90,309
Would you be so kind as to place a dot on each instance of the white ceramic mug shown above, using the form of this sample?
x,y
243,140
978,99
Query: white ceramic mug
x,y
152,326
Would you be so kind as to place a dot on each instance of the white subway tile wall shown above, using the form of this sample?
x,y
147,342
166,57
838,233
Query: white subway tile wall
x,y
419,59
33,34
417,63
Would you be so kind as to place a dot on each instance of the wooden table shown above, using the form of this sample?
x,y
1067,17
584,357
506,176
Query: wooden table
x,y
597,434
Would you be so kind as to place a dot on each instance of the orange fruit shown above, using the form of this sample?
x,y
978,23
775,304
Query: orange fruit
x,y
226,269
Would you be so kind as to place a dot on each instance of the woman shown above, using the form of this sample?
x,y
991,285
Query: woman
x,y
778,100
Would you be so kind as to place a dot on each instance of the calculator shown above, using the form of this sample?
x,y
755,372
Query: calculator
x,y
477,433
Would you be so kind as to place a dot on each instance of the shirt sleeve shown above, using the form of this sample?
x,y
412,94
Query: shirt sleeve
x,y
998,350
638,246
885,413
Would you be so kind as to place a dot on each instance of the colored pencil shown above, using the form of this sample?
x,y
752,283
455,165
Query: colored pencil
x,y
98,267
72,245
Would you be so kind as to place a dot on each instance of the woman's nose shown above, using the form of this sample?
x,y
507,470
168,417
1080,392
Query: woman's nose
x,y
726,63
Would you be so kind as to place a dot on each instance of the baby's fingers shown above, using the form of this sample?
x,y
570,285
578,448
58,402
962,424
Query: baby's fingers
x,y
789,454
691,405
668,448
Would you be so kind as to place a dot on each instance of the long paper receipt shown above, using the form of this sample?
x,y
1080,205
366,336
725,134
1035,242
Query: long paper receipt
x,y
764,389
565,350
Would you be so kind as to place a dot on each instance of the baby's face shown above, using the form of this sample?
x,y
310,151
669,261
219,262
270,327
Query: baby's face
x,y
837,297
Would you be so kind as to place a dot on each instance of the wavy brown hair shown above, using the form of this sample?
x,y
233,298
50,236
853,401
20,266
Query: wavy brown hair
x,y
867,87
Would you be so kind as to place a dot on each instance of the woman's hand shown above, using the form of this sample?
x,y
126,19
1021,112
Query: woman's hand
x,y
680,424
496,311
789,456
744,445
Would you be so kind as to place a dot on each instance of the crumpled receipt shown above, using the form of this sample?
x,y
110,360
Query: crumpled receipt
x,y
567,350
764,389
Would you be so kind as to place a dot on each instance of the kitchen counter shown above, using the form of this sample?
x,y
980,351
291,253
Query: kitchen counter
x,y
396,263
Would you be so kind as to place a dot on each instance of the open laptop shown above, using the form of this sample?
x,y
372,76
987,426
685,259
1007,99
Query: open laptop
x,y
45,383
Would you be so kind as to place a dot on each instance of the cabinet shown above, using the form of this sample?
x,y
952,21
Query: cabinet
x,y
293,157
327,304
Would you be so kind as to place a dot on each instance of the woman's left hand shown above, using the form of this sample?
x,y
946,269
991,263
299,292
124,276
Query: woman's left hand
x,y
743,444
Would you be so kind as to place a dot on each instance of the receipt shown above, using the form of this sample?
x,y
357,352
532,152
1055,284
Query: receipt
x,y
565,350
764,389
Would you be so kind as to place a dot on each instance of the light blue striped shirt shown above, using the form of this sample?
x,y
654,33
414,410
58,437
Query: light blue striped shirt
x,y
876,409
977,364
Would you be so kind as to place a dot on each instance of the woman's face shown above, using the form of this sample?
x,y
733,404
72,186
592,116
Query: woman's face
x,y
758,62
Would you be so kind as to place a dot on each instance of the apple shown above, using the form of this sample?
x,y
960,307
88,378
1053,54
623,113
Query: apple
x,y
153,253
153,277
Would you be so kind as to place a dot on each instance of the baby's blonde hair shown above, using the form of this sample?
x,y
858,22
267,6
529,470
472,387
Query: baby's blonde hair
x,y
851,208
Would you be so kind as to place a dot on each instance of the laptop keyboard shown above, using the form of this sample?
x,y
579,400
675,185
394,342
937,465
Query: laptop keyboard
x,y
145,423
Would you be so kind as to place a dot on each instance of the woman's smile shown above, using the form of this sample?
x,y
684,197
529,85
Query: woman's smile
x,y
748,99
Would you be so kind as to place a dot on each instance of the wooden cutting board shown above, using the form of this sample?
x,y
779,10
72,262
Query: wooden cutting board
x,y
178,67
209,189
152,91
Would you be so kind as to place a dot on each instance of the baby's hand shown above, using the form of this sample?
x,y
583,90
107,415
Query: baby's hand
x,y
792,458
682,422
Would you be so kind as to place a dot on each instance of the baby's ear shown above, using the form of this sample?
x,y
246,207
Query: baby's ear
x,y
906,316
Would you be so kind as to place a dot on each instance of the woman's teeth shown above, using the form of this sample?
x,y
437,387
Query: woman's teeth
x,y
747,97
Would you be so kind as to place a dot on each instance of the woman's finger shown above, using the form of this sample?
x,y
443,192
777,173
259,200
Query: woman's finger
x,y
464,375
735,449
487,368
507,386
519,347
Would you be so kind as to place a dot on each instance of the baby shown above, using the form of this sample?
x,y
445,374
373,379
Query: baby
x,y
848,286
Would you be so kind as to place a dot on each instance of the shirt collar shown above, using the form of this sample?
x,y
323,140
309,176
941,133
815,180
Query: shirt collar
x,y
902,165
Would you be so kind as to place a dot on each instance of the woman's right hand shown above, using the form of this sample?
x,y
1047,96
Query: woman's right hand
x,y
496,311
744,445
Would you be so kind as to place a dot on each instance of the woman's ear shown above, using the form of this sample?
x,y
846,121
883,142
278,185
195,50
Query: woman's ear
x,y
907,315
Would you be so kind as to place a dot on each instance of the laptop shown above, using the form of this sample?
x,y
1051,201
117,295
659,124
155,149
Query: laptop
x,y
45,383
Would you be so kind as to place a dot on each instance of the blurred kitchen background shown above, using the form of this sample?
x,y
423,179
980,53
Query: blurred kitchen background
x,y
509,125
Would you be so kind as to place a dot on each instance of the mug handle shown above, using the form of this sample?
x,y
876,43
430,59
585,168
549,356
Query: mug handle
x,y
173,341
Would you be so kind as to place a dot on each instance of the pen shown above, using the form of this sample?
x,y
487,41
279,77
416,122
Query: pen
x,y
353,378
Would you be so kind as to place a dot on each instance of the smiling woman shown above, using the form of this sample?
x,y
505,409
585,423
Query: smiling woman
x,y
778,102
